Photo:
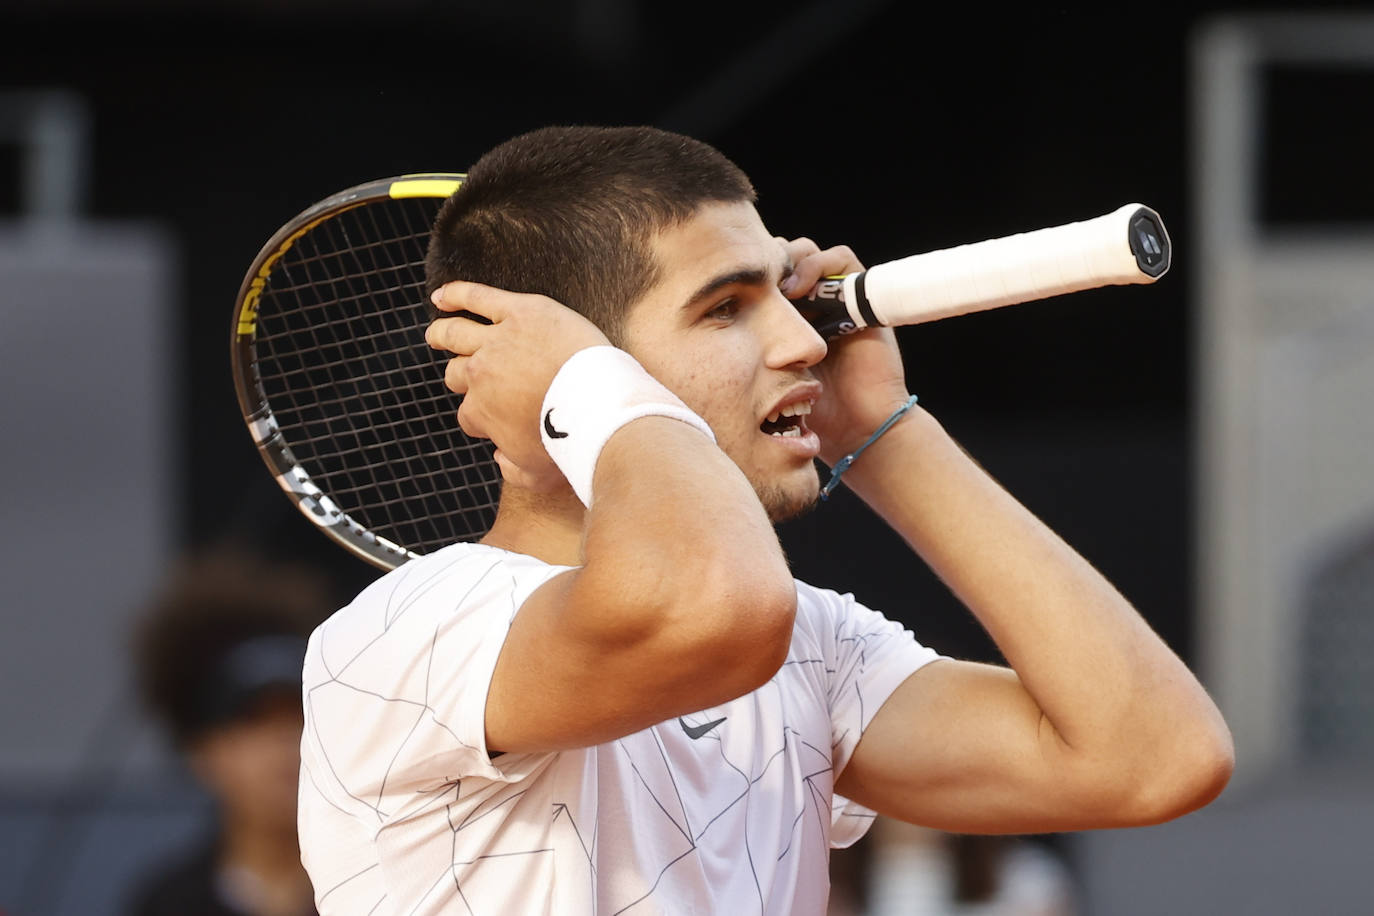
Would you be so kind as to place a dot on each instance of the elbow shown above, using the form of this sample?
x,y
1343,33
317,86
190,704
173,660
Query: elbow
x,y
1210,763
755,634
706,624
744,632
1189,776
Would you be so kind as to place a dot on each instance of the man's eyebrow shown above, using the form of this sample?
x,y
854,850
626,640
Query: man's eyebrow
x,y
748,276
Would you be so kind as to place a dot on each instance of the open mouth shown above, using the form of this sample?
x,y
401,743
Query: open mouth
x,y
787,421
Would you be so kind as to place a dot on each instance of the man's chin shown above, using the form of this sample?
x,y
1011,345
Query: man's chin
x,y
796,508
786,501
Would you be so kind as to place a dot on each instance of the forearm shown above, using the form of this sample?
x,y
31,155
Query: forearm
x,y
679,548
681,601
1105,683
671,507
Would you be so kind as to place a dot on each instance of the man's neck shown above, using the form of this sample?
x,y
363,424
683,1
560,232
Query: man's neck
x,y
545,526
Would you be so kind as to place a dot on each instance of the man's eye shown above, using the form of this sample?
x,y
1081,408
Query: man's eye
x,y
724,310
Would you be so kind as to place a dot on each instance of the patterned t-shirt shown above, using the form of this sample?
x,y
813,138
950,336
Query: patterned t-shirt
x,y
729,810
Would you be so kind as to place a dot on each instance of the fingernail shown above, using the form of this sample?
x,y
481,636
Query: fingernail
x,y
788,285
437,296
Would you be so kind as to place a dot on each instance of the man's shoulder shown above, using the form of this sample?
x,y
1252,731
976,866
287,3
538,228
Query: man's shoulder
x,y
450,567
821,612
452,556
456,583
814,600
827,614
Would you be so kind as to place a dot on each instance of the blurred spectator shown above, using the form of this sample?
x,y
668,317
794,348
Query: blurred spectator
x,y
219,659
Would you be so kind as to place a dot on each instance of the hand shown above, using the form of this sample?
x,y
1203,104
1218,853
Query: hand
x,y
863,374
503,369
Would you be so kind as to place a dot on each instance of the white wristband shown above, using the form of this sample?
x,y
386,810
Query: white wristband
x,y
597,391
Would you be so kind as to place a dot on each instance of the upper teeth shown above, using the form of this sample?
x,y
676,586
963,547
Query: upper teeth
x,y
799,409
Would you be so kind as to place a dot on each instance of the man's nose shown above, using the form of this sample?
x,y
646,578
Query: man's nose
x,y
792,341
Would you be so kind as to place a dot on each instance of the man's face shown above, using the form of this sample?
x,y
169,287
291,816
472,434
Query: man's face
x,y
718,332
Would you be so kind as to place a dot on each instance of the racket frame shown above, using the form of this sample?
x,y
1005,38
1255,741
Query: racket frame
x,y
290,475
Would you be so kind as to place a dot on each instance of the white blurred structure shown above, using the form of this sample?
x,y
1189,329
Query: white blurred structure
x,y
1285,503
1285,373
89,423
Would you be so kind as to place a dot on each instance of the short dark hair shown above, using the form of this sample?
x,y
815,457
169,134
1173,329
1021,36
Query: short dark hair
x,y
569,212
222,629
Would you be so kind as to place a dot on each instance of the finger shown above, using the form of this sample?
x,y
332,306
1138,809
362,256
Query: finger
x,y
512,473
797,251
456,375
858,338
798,248
489,302
808,270
457,334
469,420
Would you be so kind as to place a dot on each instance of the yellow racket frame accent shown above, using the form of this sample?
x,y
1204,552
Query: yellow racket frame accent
x,y
428,186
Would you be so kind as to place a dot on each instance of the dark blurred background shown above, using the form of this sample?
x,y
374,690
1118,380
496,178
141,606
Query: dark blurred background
x,y
886,126
864,123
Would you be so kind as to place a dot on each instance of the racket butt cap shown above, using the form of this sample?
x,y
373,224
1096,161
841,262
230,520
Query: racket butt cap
x,y
1149,242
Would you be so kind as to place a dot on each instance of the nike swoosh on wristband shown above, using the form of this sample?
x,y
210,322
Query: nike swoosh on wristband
x,y
548,426
696,732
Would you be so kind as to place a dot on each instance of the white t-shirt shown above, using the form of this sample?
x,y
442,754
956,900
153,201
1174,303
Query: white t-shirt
x,y
729,810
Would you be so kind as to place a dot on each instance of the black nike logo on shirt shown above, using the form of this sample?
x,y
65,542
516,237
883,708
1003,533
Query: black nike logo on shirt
x,y
548,426
696,732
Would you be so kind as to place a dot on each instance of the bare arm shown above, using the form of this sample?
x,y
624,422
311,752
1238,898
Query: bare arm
x,y
682,599
1097,723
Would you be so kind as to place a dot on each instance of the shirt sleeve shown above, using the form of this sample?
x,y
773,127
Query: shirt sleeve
x,y
396,684
867,657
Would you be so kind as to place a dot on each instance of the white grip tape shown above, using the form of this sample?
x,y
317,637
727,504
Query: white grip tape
x,y
997,272
597,391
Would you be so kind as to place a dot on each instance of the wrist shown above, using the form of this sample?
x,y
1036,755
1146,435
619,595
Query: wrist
x,y
838,440
596,392
909,450
843,464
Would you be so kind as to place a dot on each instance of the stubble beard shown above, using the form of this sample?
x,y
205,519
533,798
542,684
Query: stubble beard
x,y
784,503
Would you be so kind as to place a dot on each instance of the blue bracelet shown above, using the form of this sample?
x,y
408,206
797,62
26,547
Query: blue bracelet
x,y
843,464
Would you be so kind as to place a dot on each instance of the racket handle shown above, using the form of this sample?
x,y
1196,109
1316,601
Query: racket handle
x,y
1128,245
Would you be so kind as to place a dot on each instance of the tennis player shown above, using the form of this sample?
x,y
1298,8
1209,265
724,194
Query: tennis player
x,y
621,701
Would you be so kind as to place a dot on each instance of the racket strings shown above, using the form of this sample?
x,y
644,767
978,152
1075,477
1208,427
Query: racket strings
x,y
395,490
410,327
357,393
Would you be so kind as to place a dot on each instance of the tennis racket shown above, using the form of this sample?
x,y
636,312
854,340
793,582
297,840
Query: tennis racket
x,y
1129,245
347,405
344,399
